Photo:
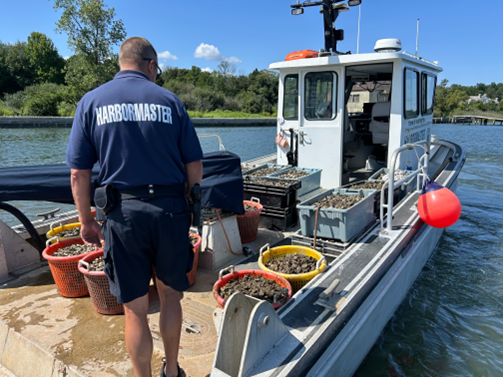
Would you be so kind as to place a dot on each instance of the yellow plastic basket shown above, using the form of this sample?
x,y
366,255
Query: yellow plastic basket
x,y
296,280
53,234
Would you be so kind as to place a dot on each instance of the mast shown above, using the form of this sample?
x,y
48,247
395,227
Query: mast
x,y
330,10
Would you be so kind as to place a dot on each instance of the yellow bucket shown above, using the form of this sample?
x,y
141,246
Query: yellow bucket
x,y
296,280
53,234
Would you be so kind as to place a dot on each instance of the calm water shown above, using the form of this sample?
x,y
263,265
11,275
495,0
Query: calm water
x,y
451,322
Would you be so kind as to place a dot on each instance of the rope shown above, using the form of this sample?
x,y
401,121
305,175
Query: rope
x,y
225,233
316,226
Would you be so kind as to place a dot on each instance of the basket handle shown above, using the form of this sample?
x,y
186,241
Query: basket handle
x,y
275,299
230,268
254,199
52,225
84,264
49,241
263,248
320,261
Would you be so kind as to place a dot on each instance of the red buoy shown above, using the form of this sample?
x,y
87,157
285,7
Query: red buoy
x,y
438,206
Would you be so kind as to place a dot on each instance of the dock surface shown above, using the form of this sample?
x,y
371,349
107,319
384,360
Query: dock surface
x,y
46,335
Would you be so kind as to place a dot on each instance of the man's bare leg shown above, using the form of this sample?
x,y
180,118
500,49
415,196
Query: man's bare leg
x,y
170,325
138,337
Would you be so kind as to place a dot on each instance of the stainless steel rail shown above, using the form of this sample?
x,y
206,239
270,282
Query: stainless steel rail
x,y
420,172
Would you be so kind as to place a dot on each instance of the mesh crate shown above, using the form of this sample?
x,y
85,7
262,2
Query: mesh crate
x,y
103,300
197,248
68,279
248,222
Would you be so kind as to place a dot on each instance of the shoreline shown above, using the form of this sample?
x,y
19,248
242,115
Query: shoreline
x,y
66,122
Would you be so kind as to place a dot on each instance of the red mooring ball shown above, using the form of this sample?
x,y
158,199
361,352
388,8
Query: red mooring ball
x,y
438,206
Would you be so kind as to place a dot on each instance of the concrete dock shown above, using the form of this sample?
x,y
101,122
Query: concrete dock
x,y
46,335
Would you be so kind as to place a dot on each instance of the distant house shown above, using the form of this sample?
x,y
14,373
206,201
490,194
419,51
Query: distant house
x,y
360,95
482,98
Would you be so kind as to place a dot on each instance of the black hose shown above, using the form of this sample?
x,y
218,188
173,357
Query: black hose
x,y
39,244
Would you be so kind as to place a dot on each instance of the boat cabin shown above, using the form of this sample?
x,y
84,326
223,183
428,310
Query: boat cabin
x,y
346,114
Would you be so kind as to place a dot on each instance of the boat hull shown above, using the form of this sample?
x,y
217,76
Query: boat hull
x,y
348,350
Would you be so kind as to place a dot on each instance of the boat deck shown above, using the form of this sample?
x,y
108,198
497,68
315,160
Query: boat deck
x,y
45,334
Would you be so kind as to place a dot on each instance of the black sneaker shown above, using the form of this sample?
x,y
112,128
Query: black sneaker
x,y
181,372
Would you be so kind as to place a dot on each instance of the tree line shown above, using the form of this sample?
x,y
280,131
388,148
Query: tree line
x,y
452,100
36,80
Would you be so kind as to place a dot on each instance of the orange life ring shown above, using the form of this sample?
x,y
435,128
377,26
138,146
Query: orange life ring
x,y
304,54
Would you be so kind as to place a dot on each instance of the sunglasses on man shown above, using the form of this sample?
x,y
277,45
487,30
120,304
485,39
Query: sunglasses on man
x,y
159,70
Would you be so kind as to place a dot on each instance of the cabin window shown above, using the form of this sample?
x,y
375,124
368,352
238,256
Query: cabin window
x,y
320,96
291,97
428,93
411,88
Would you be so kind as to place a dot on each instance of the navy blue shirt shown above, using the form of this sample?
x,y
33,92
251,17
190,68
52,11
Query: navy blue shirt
x,y
139,133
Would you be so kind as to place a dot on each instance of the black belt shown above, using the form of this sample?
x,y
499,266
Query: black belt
x,y
152,191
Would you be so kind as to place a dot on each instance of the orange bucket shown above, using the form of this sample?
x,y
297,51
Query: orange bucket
x,y
103,300
65,272
223,280
248,223
197,248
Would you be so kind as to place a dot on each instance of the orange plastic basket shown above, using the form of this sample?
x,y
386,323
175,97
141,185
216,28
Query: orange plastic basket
x,y
103,300
197,248
65,272
223,280
248,223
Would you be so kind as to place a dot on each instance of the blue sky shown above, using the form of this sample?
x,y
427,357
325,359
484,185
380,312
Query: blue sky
x,y
464,36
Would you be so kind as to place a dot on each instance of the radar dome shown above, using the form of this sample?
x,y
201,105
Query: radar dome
x,y
388,45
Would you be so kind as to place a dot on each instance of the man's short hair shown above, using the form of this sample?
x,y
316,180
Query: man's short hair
x,y
137,51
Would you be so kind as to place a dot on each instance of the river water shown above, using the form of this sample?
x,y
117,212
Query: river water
x,y
451,321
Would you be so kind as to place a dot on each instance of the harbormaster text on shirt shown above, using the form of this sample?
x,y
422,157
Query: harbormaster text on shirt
x,y
137,112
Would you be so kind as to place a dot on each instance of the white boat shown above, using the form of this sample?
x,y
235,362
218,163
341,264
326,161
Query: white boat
x,y
348,116
327,127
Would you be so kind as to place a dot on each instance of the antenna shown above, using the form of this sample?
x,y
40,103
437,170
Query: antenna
x,y
417,35
358,38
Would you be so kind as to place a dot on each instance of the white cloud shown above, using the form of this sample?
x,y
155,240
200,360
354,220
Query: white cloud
x,y
167,55
163,66
233,60
208,52
207,69
66,57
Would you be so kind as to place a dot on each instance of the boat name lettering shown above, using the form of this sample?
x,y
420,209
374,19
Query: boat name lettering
x,y
415,122
133,112
417,136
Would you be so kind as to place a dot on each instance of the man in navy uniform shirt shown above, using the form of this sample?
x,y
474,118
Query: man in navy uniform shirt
x,y
148,150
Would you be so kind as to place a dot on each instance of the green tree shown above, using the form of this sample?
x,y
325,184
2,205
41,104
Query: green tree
x,y
92,33
17,73
83,76
43,99
227,69
91,28
45,62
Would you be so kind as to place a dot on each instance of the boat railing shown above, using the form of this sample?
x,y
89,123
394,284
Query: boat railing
x,y
420,173
221,147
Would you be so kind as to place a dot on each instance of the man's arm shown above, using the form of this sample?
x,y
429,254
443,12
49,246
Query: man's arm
x,y
194,174
90,230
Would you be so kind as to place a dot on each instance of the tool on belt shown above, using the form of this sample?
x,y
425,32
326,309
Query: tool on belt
x,y
195,205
